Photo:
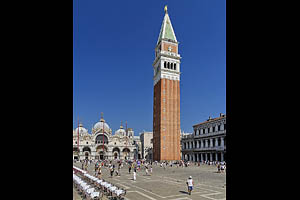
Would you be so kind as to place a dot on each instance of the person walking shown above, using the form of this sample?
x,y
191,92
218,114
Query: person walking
x,y
190,184
134,173
119,169
129,168
99,172
146,169
151,169
111,168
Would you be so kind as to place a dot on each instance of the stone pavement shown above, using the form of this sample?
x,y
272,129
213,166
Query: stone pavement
x,y
169,184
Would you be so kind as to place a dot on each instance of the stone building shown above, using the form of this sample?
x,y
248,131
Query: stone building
x,y
147,145
207,142
102,144
166,100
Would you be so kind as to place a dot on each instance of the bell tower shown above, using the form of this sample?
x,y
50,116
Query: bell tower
x,y
166,102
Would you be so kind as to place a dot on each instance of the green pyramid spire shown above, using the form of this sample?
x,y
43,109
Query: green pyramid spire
x,y
166,30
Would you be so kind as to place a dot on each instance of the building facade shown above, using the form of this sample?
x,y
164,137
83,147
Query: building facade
x,y
102,144
147,145
166,102
207,142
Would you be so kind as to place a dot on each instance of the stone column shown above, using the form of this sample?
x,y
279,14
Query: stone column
x,y
210,155
216,157
201,156
211,142
205,156
206,143
222,142
222,157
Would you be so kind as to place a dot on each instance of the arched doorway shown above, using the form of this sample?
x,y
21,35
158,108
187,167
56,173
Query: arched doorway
x,y
86,152
86,155
101,152
75,153
126,153
116,153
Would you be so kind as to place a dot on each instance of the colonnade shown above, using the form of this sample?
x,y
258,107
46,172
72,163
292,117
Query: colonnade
x,y
199,157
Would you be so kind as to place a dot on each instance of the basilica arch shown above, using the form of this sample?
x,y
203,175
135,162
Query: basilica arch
x,y
100,139
101,152
126,153
86,152
116,153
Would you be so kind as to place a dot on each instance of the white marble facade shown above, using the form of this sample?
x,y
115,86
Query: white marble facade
x,y
102,144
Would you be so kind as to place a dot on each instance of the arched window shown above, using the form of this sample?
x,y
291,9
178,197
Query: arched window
x,y
174,66
168,65
165,64
99,139
86,149
171,65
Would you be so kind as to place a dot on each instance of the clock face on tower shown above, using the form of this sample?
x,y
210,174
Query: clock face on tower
x,y
169,48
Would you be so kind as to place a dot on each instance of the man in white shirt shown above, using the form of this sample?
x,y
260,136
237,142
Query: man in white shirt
x,y
190,184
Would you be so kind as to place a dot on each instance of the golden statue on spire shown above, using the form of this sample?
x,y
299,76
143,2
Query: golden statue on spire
x,y
101,120
166,9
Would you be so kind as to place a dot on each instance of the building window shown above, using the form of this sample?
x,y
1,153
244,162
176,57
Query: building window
x,y
214,129
224,126
219,127
87,142
174,66
165,65
75,142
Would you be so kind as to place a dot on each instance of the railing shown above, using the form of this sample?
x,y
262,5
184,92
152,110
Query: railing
x,y
217,148
210,134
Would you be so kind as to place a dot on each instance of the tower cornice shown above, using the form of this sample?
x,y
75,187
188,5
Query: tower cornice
x,y
165,55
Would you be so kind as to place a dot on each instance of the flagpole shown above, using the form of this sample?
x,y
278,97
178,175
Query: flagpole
x,y
78,137
102,134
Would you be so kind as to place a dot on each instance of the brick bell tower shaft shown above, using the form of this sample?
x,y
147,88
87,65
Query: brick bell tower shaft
x,y
166,102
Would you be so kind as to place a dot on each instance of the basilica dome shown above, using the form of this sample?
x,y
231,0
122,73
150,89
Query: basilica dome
x,y
99,126
121,131
82,130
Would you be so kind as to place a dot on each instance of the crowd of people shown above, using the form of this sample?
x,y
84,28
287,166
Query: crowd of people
x,y
114,167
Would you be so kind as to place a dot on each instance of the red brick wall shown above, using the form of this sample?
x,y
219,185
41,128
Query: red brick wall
x,y
170,120
165,47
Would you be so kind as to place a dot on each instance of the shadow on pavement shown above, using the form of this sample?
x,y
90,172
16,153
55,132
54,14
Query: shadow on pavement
x,y
184,192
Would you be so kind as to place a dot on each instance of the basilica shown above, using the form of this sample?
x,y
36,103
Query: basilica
x,y
102,144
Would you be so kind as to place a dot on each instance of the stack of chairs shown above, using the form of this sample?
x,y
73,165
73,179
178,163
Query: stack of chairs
x,y
106,188
84,189
76,169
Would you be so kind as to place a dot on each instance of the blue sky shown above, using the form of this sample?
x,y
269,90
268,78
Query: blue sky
x,y
113,52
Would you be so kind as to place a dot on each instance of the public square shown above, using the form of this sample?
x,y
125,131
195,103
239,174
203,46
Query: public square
x,y
169,183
